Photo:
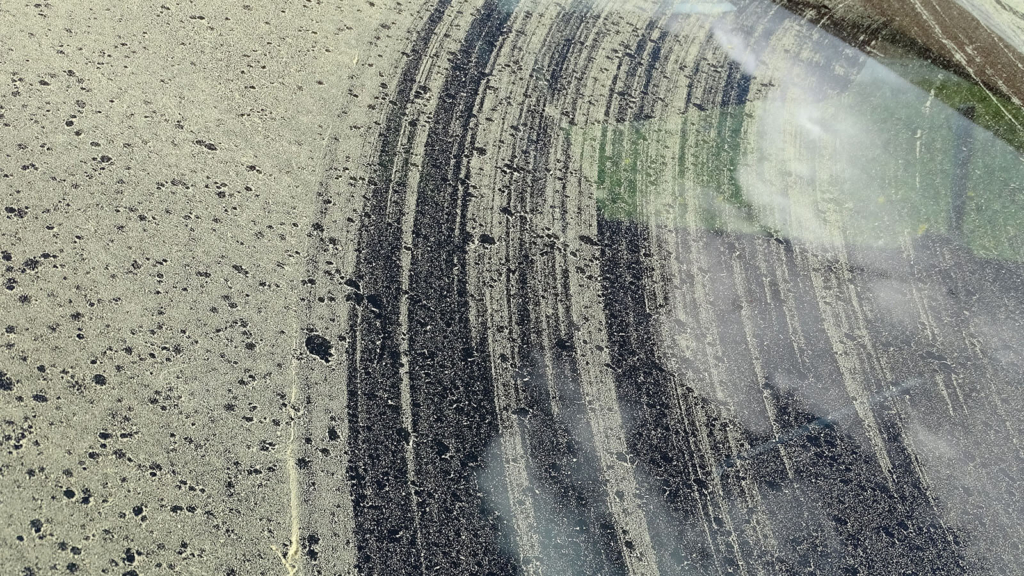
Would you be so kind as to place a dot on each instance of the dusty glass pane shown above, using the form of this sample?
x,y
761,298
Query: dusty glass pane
x,y
500,287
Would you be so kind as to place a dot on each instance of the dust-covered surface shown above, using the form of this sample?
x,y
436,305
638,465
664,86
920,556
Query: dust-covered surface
x,y
497,287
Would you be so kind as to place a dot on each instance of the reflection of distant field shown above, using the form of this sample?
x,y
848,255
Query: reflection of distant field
x,y
874,162
995,113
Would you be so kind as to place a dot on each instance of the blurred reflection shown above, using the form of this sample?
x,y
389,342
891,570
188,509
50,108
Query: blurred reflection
x,y
811,266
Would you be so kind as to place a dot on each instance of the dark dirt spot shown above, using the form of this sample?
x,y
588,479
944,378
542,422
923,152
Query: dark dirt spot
x,y
319,346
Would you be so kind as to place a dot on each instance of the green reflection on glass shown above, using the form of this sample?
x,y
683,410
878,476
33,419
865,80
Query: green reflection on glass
x,y
874,162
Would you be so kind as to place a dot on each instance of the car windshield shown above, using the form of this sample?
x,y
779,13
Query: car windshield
x,y
562,287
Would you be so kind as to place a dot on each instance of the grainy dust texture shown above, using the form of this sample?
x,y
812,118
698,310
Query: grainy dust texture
x,y
562,287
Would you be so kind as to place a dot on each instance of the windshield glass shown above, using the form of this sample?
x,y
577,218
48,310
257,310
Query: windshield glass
x,y
502,287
